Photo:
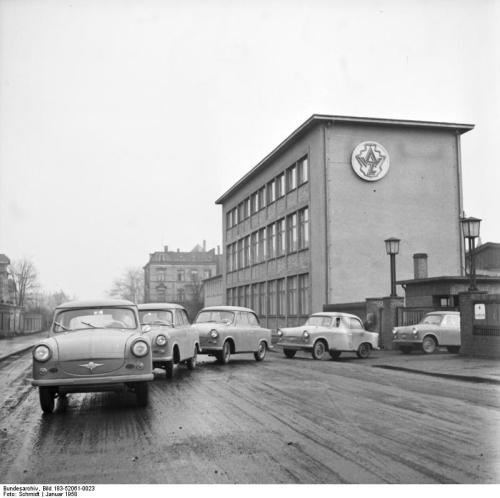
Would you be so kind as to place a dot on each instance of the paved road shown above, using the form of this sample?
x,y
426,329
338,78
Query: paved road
x,y
280,421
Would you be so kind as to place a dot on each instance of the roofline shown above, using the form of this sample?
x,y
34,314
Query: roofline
x,y
315,118
464,279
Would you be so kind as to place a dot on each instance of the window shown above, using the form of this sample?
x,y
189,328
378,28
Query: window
x,y
304,294
254,253
291,178
271,191
292,232
207,273
180,275
262,298
271,240
194,275
303,173
280,186
242,318
161,275
234,257
262,244
280,247
181,295
262,198
304,228
254,205
255,298
229,219
235,216
252,320
241,211
355,324
281,296
292,295
229,297
248,260
241,296
247,207
241,257
229,257
271,293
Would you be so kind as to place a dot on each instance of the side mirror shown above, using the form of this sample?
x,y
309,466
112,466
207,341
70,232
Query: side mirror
x,y
145,328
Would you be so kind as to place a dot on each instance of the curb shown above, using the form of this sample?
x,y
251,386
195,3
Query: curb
x,y
464,378
16,351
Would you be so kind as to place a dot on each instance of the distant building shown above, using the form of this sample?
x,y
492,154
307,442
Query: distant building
x,y
486,258
5,283
212,291
177,276
305,227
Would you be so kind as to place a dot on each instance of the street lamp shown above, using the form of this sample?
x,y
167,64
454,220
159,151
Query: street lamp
x,y
470,228
392,248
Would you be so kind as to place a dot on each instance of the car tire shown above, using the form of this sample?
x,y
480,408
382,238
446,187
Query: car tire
x,y
260,354
406,349
169,369
47,396
191,362
224,355
335,354
453,349
319,350
429,345
141,393
364,350
289,353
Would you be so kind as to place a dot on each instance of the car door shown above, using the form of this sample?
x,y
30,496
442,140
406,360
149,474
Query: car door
x,y
255,332
181,335
449,331
243,332
358,333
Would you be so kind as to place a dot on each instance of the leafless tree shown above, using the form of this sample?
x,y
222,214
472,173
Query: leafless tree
x,y
129,286
25,278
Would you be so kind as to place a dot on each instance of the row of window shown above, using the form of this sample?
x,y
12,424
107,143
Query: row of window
x,y
289,180
281,297
287,235
161,275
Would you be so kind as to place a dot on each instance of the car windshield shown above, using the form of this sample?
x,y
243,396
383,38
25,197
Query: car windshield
x,y
319,321
218,316
432,319
94,318
156,317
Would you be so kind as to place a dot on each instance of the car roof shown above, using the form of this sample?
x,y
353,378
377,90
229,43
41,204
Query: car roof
x,y
227,308
335,313
443,313
160,306
96,303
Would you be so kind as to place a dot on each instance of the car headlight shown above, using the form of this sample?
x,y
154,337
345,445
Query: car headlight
x,y
414,331
305,335
140,349
214,334
161,340
280,333
41,353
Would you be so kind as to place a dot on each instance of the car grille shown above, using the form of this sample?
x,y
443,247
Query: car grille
x,y
205,341
292,340
101,366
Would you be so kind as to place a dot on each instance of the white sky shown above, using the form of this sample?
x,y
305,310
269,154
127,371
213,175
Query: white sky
x,y
122,121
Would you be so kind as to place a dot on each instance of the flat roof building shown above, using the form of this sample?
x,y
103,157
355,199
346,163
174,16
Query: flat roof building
x,y
306,226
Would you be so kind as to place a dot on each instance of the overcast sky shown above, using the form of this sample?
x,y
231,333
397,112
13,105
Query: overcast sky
x,y
122,121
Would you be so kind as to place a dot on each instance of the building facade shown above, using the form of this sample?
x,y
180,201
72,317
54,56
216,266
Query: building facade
x,y
306,226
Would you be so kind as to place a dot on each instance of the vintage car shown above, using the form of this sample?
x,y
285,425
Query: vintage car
x,y
227,330
438,328
93,346
172,339
329,331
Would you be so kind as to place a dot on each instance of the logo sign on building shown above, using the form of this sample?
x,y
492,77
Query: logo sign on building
x,y
479,311
370,161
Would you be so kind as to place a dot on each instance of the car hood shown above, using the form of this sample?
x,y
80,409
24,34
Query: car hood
x,y
298,331
155,331
205,328
93,343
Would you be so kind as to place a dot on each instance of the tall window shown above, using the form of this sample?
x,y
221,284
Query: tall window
x,y
291,178
262,198
180,275
281,296
241,296
280,185
304,294
234,256
248,250
271,293
254,205
271,191
262,244
303,172
229,219
181,295
292,295
235,216
254,253
248,297
247,207
304,228
241,254
291,228
280,247
229,297
241,211
262,298
255,298
271,240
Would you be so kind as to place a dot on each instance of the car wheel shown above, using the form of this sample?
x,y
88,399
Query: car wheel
x,y
429,345
453,349
335,354
225,354
289,353
319,350
141,393
191,362
364,350
47,396
169,369
405,349
261,351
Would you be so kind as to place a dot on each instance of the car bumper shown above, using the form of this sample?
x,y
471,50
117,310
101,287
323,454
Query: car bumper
x,y
92,381
407,342
296,346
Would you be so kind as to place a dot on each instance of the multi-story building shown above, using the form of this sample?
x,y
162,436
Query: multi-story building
x,y
306,226
176,276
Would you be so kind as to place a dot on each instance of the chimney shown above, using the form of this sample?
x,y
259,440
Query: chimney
x,y
204,246
166,248
420,265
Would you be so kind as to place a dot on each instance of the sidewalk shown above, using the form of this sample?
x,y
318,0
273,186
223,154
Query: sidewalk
x,y
17,344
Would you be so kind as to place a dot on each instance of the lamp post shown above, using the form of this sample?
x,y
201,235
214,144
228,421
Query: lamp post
x,y
392,248
470,228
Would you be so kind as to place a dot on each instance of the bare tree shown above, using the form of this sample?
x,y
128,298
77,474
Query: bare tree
x,y
195,301
129,286
25,278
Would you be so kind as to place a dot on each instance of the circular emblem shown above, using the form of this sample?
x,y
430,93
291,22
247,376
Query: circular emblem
x,y
370,161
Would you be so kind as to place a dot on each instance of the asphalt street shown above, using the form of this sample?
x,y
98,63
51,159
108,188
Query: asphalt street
x,y
278,421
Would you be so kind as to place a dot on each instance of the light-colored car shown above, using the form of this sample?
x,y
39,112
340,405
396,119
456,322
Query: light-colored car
x,y
438,328
329,331
173,340
93,346
227,330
